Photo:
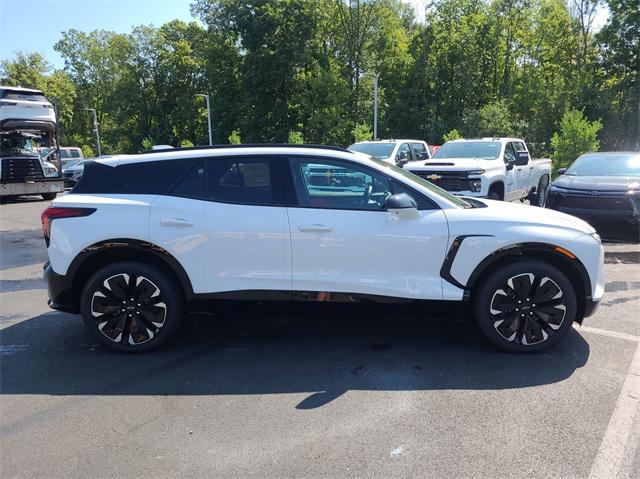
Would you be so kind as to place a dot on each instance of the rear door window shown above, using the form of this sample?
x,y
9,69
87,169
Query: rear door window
x,y
245,181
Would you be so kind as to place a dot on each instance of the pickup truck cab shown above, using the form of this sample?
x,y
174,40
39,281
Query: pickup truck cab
x,y
495,168
396,152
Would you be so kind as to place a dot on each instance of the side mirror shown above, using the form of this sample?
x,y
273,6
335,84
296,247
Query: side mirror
x,y
402,206
561,171
421,155
509,166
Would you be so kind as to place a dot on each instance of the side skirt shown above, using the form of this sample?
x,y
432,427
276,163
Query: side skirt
x,y
323,303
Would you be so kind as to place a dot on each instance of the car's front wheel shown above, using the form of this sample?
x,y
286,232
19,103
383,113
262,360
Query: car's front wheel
x,y
132,307
525,306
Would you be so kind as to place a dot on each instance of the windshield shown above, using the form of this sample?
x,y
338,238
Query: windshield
x,y
606,165
430,186
486,150
17,144
376,150
70,163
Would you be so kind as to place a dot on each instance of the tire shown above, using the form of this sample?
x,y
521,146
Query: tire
x,y
517,320
494,195
539,198
136,322
49,196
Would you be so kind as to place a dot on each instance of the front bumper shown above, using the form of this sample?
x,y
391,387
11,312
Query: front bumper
x,y
38,187
596,206
60,289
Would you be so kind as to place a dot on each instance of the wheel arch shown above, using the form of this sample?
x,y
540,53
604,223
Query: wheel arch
x,y
497,186
124,249
553,254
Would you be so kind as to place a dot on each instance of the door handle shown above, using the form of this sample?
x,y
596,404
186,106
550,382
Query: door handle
x,y
315,229
176,222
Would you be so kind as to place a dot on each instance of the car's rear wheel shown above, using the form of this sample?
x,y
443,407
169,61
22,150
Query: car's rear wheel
x,y
525,306
132,307
49,196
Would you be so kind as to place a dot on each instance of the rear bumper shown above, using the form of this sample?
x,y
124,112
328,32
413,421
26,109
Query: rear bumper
x,y
60,289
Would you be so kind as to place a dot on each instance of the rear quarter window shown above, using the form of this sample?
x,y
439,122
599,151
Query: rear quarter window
x,y
142,178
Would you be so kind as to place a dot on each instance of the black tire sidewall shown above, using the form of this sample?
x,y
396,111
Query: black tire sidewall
x,y
168,289
49,196
495,280
539,197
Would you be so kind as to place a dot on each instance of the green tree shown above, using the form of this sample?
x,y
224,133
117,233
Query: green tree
x,y
295,138
620,93
452,135
234,138
147,143
362,132
493,119
577,135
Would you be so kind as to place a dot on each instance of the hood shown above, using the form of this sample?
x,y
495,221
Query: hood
x,y
449,164
598,183
517,212
74,168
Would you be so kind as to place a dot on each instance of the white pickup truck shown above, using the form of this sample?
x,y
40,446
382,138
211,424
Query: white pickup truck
x,y
496,168
397,152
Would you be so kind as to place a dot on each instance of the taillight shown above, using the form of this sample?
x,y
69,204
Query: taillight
x,y
57,212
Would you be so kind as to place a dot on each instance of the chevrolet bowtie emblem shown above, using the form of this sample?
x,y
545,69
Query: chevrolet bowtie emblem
x,y
433,177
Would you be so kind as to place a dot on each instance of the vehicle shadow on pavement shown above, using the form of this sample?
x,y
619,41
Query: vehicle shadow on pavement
x,y
53,354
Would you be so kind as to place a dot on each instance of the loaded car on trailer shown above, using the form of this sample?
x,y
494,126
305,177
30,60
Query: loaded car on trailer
x,y
142,239
494,168
27,122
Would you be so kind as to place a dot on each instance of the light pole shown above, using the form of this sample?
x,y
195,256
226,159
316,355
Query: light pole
x,y
208,117
95,127
375,106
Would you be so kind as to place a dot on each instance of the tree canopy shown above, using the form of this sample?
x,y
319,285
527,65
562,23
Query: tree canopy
x,y
303,70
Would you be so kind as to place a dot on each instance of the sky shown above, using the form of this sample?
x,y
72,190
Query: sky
x,y
42,21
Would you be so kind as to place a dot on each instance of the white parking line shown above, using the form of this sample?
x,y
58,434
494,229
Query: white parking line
x,y
618,447
604,332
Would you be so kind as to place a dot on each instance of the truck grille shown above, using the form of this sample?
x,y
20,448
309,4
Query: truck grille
x,y
450,181
21,169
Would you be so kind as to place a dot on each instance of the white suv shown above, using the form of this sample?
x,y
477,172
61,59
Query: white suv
x,y
143,239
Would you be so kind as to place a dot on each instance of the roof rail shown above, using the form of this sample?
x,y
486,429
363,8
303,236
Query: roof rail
x,y
252,145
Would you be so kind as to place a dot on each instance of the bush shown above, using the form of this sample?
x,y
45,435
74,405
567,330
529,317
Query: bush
x,y
87,151
577,135
452,135
362,132
234,138
295,138
147,143
186,143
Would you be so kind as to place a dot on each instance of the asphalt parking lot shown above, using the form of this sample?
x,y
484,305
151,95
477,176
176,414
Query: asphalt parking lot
x,y
312,397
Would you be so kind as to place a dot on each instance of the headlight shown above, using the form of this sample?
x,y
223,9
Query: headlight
x,y
49,171
596,237
476,172
476,185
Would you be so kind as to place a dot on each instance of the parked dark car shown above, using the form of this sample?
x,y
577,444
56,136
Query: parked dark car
x,y
603,189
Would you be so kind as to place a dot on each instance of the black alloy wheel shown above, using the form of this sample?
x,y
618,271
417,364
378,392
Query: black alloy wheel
x,y
528,306
132,307
528,309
